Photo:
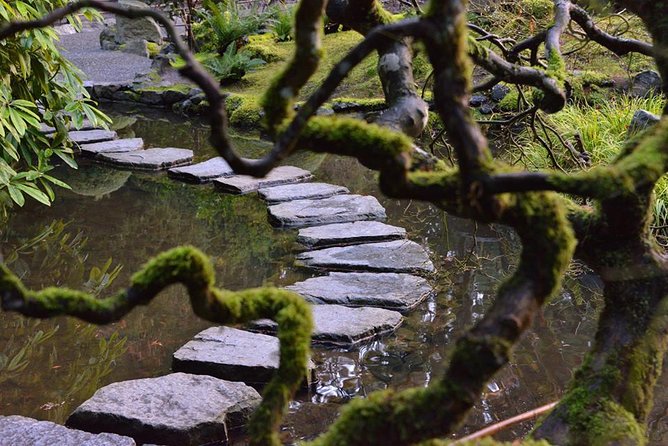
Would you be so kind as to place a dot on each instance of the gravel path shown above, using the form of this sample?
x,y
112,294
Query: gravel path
x,y
100,66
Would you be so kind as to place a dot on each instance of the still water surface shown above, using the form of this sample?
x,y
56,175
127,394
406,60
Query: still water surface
x,y
112,221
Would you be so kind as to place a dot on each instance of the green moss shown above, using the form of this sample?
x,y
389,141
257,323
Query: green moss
x,y
181,88
245,112
510,102
153,49
540,9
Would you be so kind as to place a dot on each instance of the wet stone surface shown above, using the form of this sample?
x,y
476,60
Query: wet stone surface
x,y
150,159
22,431
176,409
243,184
114,146
342,326
229,353
303,191
336,209
400,256
399,292
91,136
342,234
202,172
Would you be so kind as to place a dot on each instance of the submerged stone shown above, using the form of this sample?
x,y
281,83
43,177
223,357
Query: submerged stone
x,y
149,159
23,431
228,353
176,409
343,326
400,256
336,209
243,184
342,234
114,146
400,292
303,191
202,172
91,136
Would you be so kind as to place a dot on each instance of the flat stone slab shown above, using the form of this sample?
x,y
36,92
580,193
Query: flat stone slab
x,y
47,129
399,292
202,172
342,326
176,409
399,256
149,159
243,184
113,146
91,136
22,431
305,191
354,233
336,209
228,353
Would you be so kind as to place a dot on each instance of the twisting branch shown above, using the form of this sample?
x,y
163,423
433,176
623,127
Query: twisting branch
x,y
190,267
618,45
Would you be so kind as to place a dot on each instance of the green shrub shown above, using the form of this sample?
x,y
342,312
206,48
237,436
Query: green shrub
x,y
282,26
231,66
221,25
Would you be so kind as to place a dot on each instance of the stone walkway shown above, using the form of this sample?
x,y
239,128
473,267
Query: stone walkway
x,y
370,276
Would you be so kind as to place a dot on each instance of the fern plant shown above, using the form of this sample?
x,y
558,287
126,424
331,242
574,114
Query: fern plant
x,y
231,66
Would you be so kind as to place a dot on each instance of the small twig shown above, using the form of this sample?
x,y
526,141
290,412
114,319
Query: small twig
x,y
498,427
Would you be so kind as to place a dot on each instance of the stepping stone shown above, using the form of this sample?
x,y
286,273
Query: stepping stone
x,y
303,191
149,159
228,353
243,184
342,326
176,409
91,136
399,292
354,233
202,172
23,431
47,129
114,146
400,256
336,209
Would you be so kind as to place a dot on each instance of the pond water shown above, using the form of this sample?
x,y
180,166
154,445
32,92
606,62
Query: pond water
x,y
115,220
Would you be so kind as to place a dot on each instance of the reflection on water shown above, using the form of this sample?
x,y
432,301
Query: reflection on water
x,y
99,233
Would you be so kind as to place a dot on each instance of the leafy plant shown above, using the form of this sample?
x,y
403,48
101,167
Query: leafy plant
x,y
37,85
231,66
222,24
282,26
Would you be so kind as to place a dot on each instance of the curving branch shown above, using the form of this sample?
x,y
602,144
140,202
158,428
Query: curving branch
x,y
190,267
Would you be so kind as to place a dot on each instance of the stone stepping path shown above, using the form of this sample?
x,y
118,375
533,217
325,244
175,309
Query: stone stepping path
x,y
149,159
353,233
231,354
91,136
202,172
113,146
400,256
336,209
341,326
399,292
243,184
300,191
22,431
47,129
176,409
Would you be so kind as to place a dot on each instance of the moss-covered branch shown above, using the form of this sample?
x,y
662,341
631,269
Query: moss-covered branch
x,y
189,266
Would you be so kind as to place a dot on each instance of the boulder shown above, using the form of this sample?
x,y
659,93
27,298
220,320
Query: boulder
x,y
145,28
176,409
642,119
646,84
